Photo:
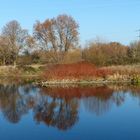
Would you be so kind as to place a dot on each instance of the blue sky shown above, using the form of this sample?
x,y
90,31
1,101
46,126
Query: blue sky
x,y
111,20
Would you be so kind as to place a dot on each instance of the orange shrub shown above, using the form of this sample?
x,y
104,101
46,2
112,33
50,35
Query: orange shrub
x,y
103,72
78,70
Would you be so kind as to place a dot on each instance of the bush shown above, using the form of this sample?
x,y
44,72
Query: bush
x,y
103,54
80,70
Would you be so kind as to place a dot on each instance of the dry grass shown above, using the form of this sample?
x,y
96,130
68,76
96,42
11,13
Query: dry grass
x,y
124,69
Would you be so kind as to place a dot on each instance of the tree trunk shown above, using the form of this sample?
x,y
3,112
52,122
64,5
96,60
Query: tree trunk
x,y
4,61
14,63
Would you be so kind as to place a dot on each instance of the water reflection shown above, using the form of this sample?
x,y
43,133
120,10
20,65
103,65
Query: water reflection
x,y
56,112
59,107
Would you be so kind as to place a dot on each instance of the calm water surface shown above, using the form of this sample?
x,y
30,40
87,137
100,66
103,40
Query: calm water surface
x,y
28,112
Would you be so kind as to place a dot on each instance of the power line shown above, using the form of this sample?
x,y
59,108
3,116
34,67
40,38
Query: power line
x,y
138,34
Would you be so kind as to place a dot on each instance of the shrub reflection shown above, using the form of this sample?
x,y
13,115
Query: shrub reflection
x,y
59,106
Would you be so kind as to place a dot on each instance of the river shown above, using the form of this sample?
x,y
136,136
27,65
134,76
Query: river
x,y
29,112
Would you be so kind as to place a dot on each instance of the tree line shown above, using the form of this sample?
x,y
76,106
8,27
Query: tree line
x,y
112,53
56,40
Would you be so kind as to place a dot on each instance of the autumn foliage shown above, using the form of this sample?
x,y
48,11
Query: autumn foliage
x,y
80,70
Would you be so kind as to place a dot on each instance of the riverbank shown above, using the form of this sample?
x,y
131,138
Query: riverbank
x,y
72,74
81,82
21,70
84,73
21,74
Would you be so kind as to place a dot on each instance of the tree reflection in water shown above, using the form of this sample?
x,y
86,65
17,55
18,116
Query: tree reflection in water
x,y
57,112
12,104
57,106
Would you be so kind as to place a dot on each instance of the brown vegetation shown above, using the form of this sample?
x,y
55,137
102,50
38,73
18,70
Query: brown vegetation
x,y
57,35
81,70
103,54
14,37
56,42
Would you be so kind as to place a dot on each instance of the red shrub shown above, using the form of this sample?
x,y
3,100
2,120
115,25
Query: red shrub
x,y
74,71
103,72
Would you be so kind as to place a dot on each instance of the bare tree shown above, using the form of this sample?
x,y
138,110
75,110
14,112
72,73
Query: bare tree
x,y
134,52
57,35
67,30
4,50
16,37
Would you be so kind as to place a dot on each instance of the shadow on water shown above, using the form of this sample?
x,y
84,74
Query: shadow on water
x,y
59,106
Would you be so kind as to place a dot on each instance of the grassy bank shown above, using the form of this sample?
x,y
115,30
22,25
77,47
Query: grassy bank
x,y
21,71
86,73
82,73
21,74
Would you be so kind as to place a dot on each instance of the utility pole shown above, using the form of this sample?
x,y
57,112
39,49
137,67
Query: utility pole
x,y
138,34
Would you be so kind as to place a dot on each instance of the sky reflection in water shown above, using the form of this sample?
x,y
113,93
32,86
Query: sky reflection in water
x,y
30,112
